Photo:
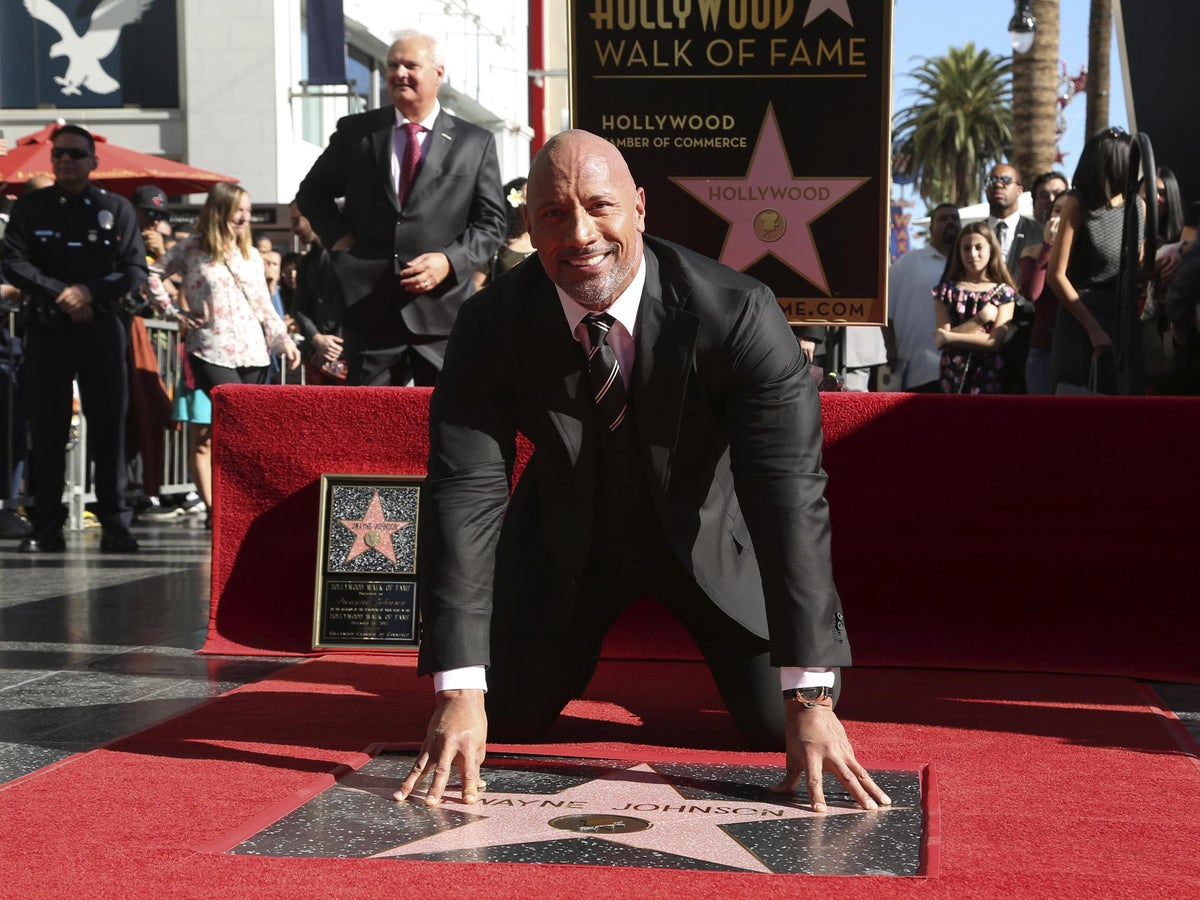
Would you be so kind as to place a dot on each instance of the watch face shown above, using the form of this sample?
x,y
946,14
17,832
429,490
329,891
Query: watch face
x,y
811,695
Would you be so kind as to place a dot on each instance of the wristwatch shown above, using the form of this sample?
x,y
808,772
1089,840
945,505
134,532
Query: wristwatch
x,y
810,696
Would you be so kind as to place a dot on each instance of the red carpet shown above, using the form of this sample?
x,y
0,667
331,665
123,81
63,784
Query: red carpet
x,y
1015,533
1058,785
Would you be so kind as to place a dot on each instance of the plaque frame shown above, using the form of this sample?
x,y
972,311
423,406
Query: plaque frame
x,y
354,565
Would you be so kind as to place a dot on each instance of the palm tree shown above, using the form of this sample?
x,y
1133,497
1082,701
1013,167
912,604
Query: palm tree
x,y
959,123
1034,96
1099,38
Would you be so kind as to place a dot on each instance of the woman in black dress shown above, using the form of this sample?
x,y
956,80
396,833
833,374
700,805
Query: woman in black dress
x,y
1085,262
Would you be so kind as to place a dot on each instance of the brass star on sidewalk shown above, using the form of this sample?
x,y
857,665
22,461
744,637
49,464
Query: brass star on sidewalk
x,y
770,211
372,532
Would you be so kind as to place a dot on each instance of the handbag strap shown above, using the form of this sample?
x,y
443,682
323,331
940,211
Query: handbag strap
x,y
241,288
962,382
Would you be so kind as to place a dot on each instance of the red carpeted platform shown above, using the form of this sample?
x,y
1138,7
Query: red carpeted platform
x,y
1017,533
1049,785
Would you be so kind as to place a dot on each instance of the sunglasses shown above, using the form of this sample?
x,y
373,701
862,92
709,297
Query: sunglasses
x,y
156,215
68,152
994,180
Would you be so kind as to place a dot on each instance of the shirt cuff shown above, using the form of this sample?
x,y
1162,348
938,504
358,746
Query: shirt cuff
x,y
468,678
791,677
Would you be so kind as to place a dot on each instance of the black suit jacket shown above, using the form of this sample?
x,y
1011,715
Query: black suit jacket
x,y
455,207
727,420
1029,234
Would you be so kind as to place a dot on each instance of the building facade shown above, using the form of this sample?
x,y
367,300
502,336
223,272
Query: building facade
x,y
223,84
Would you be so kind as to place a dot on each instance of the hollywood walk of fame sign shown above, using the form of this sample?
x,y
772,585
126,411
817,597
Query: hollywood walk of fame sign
x,y
366,592
700,816
760,130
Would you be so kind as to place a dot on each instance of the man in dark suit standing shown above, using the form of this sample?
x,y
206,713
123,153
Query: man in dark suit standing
x,y
677,441
1015,232
422,212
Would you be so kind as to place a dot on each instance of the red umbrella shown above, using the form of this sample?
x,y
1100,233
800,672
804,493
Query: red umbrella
x,y
120,169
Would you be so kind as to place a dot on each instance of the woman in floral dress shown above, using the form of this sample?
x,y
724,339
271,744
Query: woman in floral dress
x,y
231,328
973,306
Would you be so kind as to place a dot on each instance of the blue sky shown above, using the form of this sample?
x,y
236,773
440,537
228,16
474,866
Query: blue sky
x,y
929,27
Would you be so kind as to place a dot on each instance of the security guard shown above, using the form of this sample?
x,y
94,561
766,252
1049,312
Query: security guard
x,y
75,251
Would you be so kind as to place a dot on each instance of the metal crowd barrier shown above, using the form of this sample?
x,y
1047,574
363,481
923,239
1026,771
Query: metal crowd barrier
x,y
78,490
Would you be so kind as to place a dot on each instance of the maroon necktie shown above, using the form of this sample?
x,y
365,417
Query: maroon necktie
x,y
412,159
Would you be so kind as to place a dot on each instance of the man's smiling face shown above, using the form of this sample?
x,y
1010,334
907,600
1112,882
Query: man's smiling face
x,y
586,218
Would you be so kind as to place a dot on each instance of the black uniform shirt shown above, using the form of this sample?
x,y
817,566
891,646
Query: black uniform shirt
x,y
55,239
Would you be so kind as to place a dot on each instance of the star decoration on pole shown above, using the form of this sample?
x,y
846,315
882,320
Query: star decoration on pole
x,y
769,210
372,532
635,807
837,7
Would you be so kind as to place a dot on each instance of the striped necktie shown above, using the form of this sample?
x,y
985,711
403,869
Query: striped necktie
x,y
608,388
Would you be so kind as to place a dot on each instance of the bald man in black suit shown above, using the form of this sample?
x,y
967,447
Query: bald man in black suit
x,y
677,453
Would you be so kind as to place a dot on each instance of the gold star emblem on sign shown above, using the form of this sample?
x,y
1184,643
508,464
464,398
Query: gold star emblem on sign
x,y
372,532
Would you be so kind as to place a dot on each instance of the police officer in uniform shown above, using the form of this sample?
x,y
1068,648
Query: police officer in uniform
x,y
75,251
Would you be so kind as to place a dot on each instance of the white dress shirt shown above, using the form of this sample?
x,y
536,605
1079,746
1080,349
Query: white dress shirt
x,y
400,141
1010,232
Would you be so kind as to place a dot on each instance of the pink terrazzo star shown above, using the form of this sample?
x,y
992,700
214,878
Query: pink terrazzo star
x,y
635,807
770,211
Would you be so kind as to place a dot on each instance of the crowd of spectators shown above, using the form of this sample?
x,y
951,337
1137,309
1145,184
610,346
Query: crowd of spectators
x,y
1059,333
1009,304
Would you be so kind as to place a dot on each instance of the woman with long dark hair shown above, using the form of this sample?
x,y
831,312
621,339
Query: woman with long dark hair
x,y
1085,262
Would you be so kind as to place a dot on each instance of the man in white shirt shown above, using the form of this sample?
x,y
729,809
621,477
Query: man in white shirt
x,y
911,323
1014,231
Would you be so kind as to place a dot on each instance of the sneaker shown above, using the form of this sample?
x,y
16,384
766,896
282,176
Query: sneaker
x,y
193,506
154,511
14,525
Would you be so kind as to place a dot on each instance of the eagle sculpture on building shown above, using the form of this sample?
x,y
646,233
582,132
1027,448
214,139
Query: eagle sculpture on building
x,y
85,51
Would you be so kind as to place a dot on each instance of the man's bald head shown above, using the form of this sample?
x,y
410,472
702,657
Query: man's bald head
x,y
586,216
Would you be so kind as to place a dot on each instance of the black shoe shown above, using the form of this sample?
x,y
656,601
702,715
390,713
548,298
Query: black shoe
x,y
45,542
118,542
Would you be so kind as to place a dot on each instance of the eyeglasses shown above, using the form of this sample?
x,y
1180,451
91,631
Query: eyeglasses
x,y
155,215
68,152
994,180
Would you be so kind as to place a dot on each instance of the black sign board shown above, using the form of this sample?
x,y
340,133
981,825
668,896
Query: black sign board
x,y
760,130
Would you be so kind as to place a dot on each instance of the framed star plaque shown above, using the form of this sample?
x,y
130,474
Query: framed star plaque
x,y
761,133
366,595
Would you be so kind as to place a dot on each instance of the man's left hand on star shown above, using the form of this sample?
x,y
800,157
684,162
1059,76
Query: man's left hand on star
x,y
424,273
817,743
